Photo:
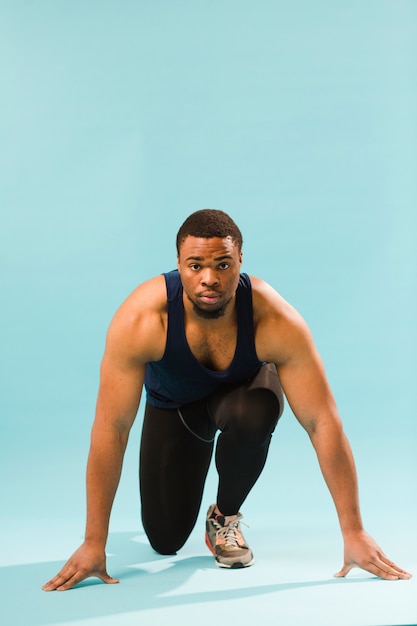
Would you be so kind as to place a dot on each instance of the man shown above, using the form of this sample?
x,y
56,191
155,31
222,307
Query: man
x,y
212,347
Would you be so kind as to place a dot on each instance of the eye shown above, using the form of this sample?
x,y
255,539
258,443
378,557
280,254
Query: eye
x,y
224,265
194,267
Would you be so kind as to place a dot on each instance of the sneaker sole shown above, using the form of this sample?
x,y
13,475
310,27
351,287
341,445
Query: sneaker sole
x,y
239,565
236,565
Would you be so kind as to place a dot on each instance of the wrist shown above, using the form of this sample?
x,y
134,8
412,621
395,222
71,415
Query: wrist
x,y
98,543
351,524
352,530
96,531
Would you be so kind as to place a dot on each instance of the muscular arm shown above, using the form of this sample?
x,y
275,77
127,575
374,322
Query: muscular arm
x,y
117,405
131,342
283,338
308,393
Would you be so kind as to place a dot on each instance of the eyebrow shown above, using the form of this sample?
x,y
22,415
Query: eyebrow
x,y
201,258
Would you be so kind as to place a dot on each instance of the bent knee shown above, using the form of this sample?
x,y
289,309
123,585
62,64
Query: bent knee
x,y
163,537
259,418
165,546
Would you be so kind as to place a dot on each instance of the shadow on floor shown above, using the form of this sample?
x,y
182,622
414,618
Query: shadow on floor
x,y
24,603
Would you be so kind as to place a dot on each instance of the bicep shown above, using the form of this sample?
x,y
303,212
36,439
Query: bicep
x,y
119,393
283,338
306,388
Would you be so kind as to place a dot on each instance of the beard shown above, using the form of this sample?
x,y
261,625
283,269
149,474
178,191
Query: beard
x,y
209,314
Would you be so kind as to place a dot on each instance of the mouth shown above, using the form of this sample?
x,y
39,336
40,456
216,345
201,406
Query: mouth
x,y
210,297
209,305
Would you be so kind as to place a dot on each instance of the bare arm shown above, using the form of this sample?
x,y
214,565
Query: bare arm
x,y
129,346
117,405
285,339
310,398
308,393
119,395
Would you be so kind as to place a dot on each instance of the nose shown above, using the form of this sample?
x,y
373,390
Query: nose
x,y
209,278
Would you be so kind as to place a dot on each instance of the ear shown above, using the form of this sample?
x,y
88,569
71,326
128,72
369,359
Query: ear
x,y
240,257
178,262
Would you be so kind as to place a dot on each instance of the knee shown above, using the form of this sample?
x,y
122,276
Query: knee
x,y
164,543
162,538
258,417
164,547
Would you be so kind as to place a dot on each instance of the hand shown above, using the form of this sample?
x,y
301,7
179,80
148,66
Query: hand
x,y
362,551
86,561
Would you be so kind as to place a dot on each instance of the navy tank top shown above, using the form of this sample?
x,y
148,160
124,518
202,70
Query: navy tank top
x,y
179,378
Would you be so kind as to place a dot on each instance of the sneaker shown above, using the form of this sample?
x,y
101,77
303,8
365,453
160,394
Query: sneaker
x,y
225,540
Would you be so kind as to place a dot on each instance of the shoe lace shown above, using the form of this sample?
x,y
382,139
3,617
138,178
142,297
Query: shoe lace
x,y
230,533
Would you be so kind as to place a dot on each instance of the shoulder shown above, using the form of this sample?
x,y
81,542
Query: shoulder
x,y
148,297
138,328
280,330
267,303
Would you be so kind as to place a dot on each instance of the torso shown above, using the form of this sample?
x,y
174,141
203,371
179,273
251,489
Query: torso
x,y
214,349
200,355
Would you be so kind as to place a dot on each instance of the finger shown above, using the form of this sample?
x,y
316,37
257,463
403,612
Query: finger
x,y
382,573
343,572
393,568
390,572
380,569
396,573
49,586
57,580
71,582
80,576
64,582
66,578
109,580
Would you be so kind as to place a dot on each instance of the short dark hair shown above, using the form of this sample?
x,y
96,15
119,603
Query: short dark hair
x,y
208,223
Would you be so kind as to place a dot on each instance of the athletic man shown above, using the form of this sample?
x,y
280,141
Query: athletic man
x,y
212,347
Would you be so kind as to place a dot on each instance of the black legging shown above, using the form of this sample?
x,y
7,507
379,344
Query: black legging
x,y
175,458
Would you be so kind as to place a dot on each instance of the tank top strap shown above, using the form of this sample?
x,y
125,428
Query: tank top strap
x,y
245,349
176,342
173,285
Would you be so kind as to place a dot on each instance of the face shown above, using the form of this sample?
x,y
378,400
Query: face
x,y
209,270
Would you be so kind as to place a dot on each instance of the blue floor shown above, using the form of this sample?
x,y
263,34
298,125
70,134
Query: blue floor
x,y
290,583
292,530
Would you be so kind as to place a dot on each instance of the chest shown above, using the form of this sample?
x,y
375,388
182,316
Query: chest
x,y
213,349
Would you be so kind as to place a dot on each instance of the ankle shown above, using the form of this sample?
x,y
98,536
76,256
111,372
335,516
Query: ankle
x,y
229,518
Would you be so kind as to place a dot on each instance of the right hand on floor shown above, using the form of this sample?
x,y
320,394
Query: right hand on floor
x,y
85,562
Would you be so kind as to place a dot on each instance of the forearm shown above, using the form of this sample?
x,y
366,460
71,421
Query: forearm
x,y
338,469
103,474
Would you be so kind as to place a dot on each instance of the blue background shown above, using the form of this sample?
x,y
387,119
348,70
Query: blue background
x,y
117,120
